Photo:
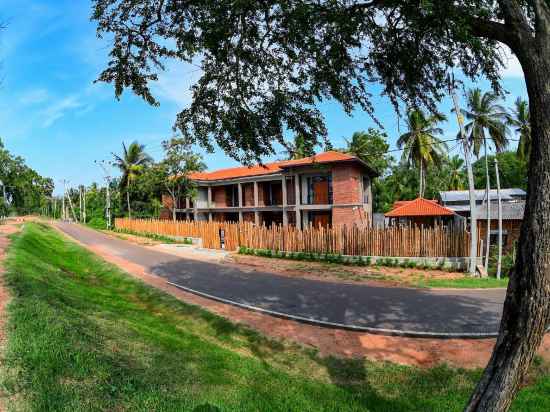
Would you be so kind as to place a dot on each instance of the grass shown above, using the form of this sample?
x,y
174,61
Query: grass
x,y
84,336
419,280
154,236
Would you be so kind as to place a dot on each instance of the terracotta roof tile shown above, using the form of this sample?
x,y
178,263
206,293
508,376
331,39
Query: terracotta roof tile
x,y
269,168
420,207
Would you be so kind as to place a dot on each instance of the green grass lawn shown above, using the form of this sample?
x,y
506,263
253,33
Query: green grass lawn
x,y
421,280
83,335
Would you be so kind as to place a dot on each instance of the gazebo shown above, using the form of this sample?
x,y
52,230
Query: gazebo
x,y
420,211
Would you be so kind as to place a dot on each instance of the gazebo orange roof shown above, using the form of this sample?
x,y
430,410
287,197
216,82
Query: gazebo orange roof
x,y
419,207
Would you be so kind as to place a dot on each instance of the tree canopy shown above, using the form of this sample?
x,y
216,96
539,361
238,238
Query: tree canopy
x,y
266,65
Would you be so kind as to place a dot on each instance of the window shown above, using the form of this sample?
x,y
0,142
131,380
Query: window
x,y
319,190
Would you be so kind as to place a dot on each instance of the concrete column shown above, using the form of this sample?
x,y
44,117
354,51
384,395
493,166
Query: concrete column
x,y
240,194
209,216
298,198
209,196
285,202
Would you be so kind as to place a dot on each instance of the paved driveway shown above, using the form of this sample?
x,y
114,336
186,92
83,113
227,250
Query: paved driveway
x,y
401,310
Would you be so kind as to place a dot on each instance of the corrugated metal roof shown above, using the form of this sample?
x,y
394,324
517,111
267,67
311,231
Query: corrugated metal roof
x,y
510,211
464,195
275,167
420,207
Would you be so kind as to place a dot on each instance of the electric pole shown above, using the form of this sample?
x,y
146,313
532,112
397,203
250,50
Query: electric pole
x,y
80,202
84,201
108,200
64,210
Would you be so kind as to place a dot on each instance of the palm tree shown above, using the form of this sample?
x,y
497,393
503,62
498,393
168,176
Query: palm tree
x,y
519,120
486,115
456,175
131,164
422,147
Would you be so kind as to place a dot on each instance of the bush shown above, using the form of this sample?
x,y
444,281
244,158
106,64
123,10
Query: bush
x,y
98,223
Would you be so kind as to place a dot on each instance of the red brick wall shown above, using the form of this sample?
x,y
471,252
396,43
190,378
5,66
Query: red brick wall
x,y
350,216
346,185
167,201
218,196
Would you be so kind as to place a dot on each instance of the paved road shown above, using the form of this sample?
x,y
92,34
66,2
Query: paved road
x,y
460,312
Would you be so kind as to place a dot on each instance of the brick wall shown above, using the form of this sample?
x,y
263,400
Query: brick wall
x,y
350,215
346,185
167,201
347,189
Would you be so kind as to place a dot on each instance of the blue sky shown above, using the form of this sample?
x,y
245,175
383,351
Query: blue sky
x,y
53,115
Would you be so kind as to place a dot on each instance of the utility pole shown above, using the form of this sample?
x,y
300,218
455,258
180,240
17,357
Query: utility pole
x,y
80,202
108,180
84,197
64,210
499,259
471,187
488,194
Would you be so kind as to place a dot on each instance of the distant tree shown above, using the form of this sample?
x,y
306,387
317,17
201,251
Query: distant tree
x,y
372,147
178,163
131,163
457,177
519,120
300,148
512,171
421,146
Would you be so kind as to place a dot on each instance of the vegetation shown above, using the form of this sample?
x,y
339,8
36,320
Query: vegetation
x,y
23,190
131,164
82,335
421,146
420,280
519,120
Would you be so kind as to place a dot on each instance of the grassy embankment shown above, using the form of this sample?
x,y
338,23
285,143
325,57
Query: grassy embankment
x,y
83,335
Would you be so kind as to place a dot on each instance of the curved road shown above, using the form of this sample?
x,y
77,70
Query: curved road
x,y
394,310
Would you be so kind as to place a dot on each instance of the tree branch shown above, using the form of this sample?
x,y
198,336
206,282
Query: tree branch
x,y
542,17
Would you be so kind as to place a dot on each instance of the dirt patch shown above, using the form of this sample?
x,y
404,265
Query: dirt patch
x,y
465,353
7,228
138,240
343,273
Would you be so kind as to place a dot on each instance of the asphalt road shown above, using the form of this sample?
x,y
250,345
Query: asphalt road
x,y
401,310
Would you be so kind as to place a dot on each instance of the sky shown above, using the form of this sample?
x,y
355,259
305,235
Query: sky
x,y
55,116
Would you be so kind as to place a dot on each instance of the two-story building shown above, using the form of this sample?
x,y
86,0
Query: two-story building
x,y
330,188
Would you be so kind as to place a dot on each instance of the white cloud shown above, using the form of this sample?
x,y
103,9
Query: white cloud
x,y
34,96
59,109
174,84
512,65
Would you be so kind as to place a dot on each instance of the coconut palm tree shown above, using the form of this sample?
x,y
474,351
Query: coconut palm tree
x,y
456,174
519,120
421,146
132,162
487,121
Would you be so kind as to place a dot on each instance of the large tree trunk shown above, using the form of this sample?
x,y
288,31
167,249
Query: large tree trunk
x,y
526,312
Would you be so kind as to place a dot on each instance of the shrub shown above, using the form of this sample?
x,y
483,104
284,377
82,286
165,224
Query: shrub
x,y
98,223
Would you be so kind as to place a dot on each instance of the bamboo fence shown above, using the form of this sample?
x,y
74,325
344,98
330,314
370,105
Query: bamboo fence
x,y
396,241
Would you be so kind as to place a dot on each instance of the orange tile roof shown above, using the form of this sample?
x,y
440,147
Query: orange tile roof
x,y
419,207
275,167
